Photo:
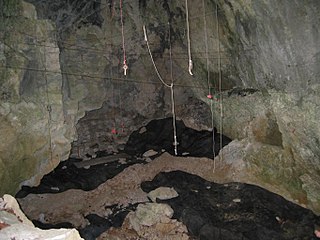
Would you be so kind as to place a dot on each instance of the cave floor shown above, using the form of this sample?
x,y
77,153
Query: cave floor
x,y
155,195
202,210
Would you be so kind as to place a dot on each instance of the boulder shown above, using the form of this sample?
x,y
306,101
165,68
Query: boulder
x,y
15,225
162,193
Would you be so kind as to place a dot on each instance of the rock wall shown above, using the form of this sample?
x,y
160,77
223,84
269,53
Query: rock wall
x,y
63,61
61,64
275,48
31,110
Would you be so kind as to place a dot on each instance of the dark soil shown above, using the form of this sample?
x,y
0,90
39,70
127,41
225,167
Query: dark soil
x,y
67,176
212,211
233,211
159,135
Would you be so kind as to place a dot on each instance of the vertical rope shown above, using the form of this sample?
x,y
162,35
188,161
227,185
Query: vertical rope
x,y
189,42
125,66
220,83
209,96
49,108
113,104
120,110
175,141
112,9
206,44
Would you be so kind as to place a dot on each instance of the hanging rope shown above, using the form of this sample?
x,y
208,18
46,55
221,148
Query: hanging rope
x,y
154,64
125,66
113,102
189,42
175,141
122,125
209,96
114,129
112,8
220,82
49,108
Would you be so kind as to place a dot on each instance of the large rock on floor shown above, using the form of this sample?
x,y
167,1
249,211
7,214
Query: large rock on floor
x,y
149,221
15,225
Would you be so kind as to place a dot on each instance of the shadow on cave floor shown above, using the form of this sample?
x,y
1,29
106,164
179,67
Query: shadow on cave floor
x,y
156,135
233,211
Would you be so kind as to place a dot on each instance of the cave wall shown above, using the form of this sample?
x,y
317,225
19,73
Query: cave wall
x,y
62,61
276,51
270,70
31,102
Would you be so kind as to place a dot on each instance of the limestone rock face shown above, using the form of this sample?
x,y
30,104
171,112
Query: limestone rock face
x,y
55,71
31,111
274,49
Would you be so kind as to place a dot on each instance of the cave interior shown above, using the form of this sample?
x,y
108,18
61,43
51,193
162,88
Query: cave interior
x,y
149,119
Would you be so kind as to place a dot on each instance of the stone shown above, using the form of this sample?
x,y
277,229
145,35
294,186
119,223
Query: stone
x,y
153,221
142,130
149,214
8,218
9,202
29,10
150,153
162,193
23,231
122,160
18,227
